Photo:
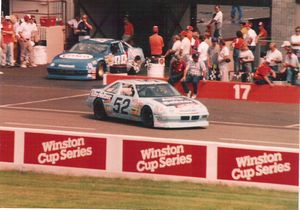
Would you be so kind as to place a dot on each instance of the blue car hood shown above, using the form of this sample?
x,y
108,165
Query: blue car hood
x,y
72,57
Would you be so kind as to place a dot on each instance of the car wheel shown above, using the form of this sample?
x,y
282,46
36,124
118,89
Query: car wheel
x,y
100,71
99,111
147,117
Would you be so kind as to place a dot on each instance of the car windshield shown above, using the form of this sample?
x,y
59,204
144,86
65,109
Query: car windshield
x,y
90,48
156,90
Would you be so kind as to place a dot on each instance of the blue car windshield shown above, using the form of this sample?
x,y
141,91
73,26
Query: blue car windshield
x,y
156,90
89,48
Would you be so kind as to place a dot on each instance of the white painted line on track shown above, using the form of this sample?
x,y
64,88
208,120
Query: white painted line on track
x,y
51,126
257,141
248,124
45,100
49,110
293,126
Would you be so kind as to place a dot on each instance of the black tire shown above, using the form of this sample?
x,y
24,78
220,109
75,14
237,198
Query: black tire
x,y
99,111
100,71
147,117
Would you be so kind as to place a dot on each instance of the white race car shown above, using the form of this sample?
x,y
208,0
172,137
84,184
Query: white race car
x,y
153,102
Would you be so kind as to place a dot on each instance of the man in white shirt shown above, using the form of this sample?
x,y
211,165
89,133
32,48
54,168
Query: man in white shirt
x,y
291,64
295,41
275,56
185,46
73,24
174,51
218,20
203,50
246,59
25,32
223,60
250,38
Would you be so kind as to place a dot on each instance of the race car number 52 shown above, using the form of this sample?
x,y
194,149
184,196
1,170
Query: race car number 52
x,y
121,105
241,91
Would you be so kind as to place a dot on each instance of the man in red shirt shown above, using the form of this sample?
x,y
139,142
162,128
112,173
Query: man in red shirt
x,y
261,39
177,70
156,43
128,31
264,74
7,42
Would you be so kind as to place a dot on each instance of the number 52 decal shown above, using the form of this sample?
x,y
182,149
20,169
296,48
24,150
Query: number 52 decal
x,y
121,105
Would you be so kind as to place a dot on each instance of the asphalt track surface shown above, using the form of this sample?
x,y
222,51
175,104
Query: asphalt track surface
x,y
29,100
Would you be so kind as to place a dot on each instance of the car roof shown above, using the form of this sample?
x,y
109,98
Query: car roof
x,y
99,40
143,81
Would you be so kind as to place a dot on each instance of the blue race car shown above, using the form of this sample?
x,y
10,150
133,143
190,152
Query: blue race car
x,y
91,58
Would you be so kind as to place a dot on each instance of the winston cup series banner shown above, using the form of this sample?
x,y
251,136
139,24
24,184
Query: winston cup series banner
x,y
164,158
65,150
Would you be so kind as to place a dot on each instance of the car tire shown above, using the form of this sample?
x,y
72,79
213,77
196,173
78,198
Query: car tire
x,y
147,117
100,71
99,111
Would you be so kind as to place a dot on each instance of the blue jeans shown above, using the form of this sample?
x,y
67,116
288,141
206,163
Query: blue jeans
x,y
236,60
175,78
291,74
191,79
236,8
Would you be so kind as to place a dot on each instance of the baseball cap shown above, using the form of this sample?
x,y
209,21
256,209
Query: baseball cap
x,y
155,29
189,28
7,17
183,33
261,24
286,44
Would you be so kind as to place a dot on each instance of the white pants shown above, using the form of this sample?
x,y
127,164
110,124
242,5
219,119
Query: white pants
x,y
8,53
224,72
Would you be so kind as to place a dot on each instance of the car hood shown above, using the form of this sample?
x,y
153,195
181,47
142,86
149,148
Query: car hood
x,y
75,57
180,104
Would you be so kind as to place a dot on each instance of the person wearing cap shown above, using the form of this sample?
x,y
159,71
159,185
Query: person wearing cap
x,y
156,43
185,46
295,42
264,74
7,42
128,30
24,34
218,21
223,60
84,28
275,57
237,43
261,39
212,61
194,72
176,69
290,65
174,51
189,30
246,58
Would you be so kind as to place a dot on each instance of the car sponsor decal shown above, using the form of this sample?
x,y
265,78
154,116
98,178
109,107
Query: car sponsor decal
x,y
66,66
258,166
175,101
76,56
105,96
164,158
115,59
65,150
7,141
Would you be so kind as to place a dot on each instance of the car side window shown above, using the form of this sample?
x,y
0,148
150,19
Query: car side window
x,y
127,90
114,88
115,48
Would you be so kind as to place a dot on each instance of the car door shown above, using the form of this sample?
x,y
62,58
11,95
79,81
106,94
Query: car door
x,y
119,56
122,103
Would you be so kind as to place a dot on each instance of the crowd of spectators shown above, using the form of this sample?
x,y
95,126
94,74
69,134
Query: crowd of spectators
x,y
196,56
17,40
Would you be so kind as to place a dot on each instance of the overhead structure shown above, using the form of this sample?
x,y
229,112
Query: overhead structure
x,y
171,16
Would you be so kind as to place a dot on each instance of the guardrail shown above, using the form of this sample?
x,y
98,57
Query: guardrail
x,y
102,155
